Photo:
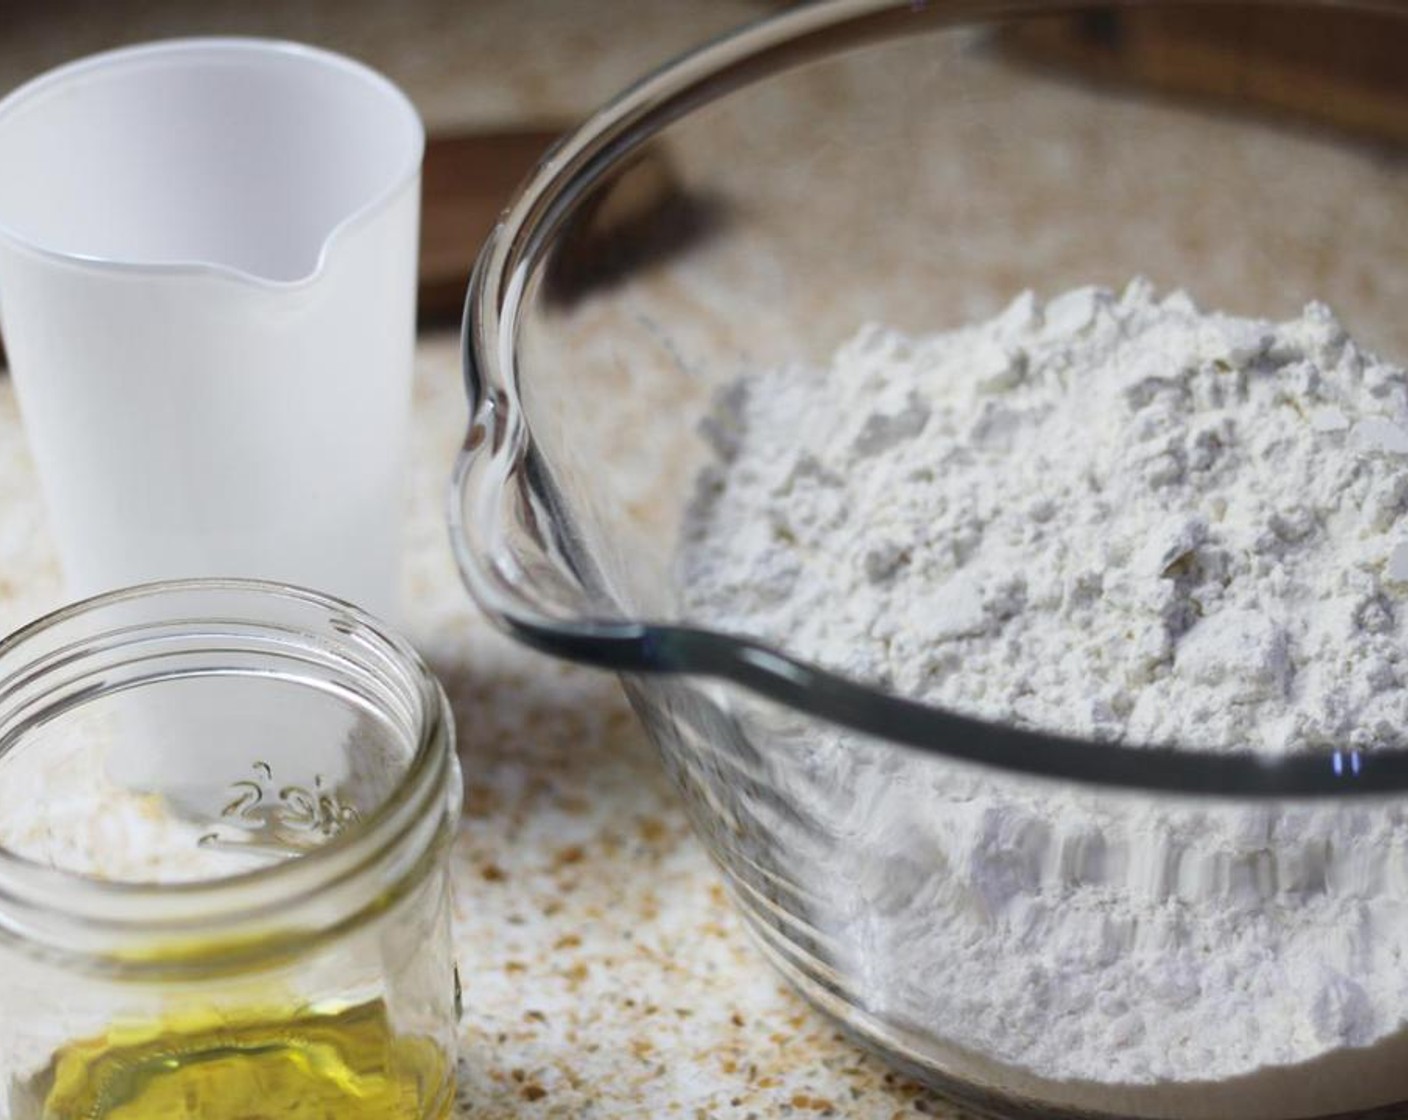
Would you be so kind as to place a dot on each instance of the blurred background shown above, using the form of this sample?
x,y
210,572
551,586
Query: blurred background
x,y
497,80
468,64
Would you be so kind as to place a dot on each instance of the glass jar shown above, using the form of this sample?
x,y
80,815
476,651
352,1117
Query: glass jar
x,y
226,811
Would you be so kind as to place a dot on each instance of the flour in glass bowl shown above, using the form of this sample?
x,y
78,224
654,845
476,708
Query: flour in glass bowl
x,y
1114,516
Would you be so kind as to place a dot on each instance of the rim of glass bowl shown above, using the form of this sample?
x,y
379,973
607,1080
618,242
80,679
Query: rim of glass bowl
x,y
81,915
497,448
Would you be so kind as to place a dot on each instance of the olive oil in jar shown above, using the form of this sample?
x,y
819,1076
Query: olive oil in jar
x,y
304,1064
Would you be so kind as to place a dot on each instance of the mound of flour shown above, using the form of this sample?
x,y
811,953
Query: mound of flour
x,y
1118,517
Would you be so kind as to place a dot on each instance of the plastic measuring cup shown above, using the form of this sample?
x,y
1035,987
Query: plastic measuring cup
x,y
207,295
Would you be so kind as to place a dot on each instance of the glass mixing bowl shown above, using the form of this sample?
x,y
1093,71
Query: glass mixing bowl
x,y
1035,926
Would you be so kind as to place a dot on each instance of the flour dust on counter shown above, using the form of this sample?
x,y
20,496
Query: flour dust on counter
x,y
1115,516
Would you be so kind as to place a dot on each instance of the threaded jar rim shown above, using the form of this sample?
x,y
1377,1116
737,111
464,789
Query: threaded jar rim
x,y
264,910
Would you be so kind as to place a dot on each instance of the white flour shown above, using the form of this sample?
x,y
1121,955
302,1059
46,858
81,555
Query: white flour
x,y
1118,517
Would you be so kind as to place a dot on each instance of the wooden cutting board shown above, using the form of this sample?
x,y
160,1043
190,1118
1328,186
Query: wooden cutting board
x,y
637,215
466,181
1327,67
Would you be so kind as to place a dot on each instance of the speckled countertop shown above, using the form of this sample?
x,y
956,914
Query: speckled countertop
x,y
605,973
604,969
